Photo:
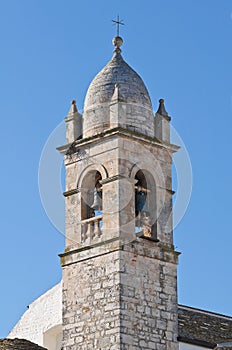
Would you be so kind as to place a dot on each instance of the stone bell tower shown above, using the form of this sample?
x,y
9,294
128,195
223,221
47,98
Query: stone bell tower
x,y
119,263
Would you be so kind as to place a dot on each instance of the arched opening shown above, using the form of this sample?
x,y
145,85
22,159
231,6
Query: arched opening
x,y
145,204
91,199
91,205
97,196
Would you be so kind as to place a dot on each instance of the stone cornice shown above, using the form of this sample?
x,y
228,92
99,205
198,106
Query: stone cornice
x,y
141,246
122,132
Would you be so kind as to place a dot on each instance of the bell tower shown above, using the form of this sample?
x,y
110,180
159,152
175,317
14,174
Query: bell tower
x,y
119,263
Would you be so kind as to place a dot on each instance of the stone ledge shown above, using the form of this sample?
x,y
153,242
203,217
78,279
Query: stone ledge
x,y
122,132
141,246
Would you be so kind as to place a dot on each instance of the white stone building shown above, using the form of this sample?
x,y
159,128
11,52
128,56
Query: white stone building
x,y
119,264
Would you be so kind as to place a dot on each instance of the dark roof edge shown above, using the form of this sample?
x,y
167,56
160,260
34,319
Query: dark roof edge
x,y
211,313
197,342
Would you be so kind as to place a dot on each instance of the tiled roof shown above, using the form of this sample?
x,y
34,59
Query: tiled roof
x,y
18,344
203,328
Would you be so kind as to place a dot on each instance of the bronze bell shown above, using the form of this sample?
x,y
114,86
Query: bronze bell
x,y
141,202
97,201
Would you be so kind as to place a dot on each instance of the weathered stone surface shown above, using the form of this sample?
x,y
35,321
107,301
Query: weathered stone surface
x,y
116,97
91,291
115,292
118,157
121,299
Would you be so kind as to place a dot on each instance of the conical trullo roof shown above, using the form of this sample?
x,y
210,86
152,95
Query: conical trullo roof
x,y
117,82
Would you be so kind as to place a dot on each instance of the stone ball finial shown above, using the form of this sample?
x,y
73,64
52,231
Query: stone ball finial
x,y
117,42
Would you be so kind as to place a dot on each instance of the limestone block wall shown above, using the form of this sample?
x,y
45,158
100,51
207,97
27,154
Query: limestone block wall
x,y
148,297
157,160
91,303
131,116
43,314
122,298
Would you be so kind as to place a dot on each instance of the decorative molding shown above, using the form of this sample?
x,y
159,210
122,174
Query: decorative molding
x,y
122,132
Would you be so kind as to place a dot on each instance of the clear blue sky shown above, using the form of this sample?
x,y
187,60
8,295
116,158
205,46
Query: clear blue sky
x,y
50,51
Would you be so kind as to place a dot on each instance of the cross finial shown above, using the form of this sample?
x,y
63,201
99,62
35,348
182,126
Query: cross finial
x,y
118,22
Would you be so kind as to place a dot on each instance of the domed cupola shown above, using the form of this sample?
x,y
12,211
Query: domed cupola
x,y
117,97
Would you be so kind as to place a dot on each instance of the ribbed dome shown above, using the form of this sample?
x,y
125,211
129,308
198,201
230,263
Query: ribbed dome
x,y
117,71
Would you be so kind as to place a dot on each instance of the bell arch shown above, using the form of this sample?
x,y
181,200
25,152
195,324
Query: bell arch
x,y
91,195
146,213
92,167
91,190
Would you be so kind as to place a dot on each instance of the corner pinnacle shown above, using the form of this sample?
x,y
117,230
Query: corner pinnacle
x,y
73,108
161,110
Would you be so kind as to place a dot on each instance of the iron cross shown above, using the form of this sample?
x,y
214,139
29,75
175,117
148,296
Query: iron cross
x,y
118,22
